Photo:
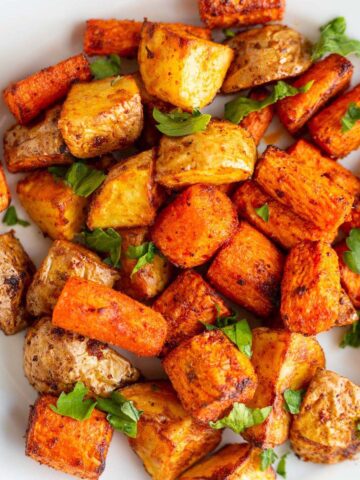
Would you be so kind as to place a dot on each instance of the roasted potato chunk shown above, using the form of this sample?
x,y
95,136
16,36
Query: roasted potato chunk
x,y
73,447
64,260
310,288
256,123
186,305
168,440
180,68
266,54
101,116
210,374
16,271
5,195
194,225
52,205
347,311
325,429
223,153
350,280
248,270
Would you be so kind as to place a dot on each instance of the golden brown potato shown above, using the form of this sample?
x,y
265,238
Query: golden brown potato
x,y
5,195
179,67
256,123
325,429
64,260
347,311
52,205
281,360
101,116
210,374
16,271
310,288
186,305
248,270
194,225
266,54
353,220
36,146
350,280
223,153
168,440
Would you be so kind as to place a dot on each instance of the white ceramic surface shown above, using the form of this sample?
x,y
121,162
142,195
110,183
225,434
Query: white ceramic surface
x,y
38,33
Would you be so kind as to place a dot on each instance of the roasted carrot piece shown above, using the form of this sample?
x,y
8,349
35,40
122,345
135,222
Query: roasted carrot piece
x,y
5,196
99,312
353,221
350,280
258,122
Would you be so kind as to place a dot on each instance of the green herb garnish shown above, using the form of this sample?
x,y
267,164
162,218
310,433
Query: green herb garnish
x,y
178,123
267,458
352,256
242,417
10,218
334,40
350,118
104,67
228,33
104,241
82,179
281,468
352,336
293,399
73,404
263,212
144,254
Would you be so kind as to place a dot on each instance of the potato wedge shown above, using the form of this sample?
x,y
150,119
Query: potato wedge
x,y
5,196
347,311
350,280
256,123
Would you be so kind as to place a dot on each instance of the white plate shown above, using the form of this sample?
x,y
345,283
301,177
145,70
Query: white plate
x,y
38,33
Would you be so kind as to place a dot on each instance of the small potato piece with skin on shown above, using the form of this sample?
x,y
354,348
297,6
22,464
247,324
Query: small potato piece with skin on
x,y
16,271
101,116
248,270
101,313
168,440
29,97
264,55
192,228
52,205
179,67
5,196
325,429
350,280
210,374
256,123
223,153
310,288
186,305
347,311
64,259
73,447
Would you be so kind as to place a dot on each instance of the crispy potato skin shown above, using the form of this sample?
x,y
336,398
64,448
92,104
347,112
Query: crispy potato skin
x,y
168,441
325,128
350,280
64,259
194,225
353,221
36,146
101,313
186,305
236,461
209,375
256,123
347,311
179,67
248,271
5,196
55,359
266,54
27,98
223,153
16,271
281,360
73,447
52,205
310,288
101,116
303,188
324,430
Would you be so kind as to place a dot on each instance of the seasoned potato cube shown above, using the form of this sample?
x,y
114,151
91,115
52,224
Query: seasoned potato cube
x,y
73,447
36,146
194,225
210,374
281,360
310,288
5,196
101,116
27,98
248,271
330,76
168,440
266,54
223,153
350,280
256,123
52,205
64,260
186,305
16,271
325,429
179,67
347,311
353,221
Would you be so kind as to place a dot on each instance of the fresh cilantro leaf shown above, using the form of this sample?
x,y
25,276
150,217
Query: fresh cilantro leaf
x,y
267,458
358,430
10,218
352,257
178,123
350,118
144,254
281,468
352,336
240,107
106,66
334,40
104,241
73,404
293,399
82,179
228,33
263,212
59,172
242,417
